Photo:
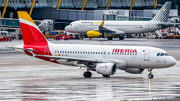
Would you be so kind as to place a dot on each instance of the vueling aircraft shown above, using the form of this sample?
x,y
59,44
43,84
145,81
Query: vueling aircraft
x,y
95,28
103,59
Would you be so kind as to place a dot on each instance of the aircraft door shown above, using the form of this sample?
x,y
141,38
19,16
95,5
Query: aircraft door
x,y
104,54
147,54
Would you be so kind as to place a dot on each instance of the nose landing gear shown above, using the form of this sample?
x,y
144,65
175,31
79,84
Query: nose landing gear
x,y
150,76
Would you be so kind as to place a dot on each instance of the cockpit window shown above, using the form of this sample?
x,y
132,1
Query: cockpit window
x,y
158,54
166,54
70,24
162,54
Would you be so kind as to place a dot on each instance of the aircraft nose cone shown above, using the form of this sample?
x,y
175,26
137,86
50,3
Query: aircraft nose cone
x,y
172,61
66,28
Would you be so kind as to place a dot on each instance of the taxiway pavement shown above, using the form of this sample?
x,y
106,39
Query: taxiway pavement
x,y
25,78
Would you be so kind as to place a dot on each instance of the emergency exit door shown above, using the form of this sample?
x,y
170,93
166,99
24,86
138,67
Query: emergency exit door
x,y
147,54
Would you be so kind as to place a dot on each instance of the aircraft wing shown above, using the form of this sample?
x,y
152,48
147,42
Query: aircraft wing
x,y
70,58
54,58
111,31
103,29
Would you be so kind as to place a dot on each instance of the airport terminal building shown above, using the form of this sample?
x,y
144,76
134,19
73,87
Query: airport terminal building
x,y
62,12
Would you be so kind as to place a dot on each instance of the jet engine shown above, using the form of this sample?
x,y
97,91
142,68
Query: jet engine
x,y
93,34
106,68
134,70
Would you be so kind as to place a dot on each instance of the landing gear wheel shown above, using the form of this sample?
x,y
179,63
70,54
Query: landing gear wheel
x,y
150,76
87,74
121,37
110,38
103,35
106,76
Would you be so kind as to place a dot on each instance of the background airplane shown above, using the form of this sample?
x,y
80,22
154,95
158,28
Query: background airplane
x,y
103,59
93,28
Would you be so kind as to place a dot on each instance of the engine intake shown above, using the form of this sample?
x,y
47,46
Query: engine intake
x,y
106,68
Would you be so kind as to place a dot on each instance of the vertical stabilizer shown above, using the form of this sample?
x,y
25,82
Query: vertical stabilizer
x,y
30,32
163,14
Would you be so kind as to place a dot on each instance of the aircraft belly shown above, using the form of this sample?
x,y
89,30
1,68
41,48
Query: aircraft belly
x,y
139,63
133,31
67,62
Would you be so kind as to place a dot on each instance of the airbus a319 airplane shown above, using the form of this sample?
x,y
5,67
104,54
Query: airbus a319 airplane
x,y
95,28
103,59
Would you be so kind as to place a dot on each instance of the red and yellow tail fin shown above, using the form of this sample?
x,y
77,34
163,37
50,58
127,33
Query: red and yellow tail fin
x,y
30,32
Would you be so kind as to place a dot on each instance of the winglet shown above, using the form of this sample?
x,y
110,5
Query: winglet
x,y
102,24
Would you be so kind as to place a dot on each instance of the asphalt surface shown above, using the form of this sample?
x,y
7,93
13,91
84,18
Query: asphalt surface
x,y
23,78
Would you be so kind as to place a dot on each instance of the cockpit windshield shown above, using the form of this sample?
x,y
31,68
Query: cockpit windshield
x,y
70,24
162,54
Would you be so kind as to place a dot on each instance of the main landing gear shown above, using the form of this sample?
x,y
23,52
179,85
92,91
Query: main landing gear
x,y
110,38
150,76
87,74
121,37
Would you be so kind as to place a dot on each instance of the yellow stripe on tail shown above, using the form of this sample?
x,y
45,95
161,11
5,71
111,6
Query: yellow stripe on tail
x,y
24,15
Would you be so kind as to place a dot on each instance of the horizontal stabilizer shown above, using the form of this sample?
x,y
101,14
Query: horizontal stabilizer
x,y
165,25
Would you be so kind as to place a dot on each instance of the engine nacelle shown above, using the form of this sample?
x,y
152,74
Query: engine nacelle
x,y
93,34
134,70
106,68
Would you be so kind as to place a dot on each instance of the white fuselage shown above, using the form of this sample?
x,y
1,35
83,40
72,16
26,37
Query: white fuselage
x,y
136,57
121,27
